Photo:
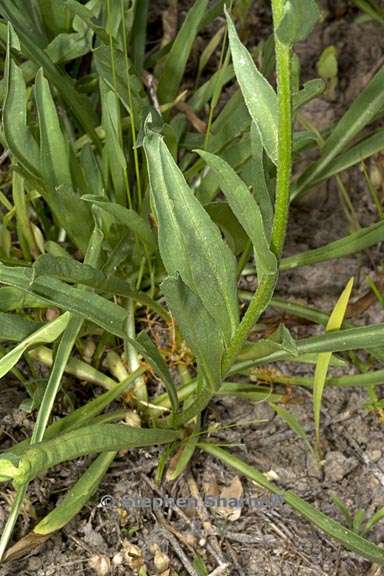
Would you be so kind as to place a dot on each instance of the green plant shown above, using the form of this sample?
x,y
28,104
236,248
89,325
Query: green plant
x,y
108,224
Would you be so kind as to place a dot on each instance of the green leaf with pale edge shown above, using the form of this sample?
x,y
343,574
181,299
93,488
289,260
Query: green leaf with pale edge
x,y
190,243
198,328
299,18
246,209
259,96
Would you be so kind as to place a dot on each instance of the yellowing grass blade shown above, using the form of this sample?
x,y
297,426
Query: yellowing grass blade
x,y
334,323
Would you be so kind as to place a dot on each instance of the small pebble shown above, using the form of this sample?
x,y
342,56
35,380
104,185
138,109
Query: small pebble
x,y
34,563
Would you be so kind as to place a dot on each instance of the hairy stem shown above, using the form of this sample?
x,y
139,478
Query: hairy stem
x,y
267,284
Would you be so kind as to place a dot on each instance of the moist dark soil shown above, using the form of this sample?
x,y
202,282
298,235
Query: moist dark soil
x,y
271,539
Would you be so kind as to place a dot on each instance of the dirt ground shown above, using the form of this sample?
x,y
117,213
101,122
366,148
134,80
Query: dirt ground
x,y
270,540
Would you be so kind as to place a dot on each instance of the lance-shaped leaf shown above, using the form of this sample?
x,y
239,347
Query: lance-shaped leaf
x,y
88,440
245,209
109,316
17,133
297,21
70,270
53,147
190,243
78,495
67,207
198,328
259,96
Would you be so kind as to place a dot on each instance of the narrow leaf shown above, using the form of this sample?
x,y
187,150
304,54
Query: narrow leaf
x,y
334,323
363,110
325,523
176,60
203,260
259,96
88,440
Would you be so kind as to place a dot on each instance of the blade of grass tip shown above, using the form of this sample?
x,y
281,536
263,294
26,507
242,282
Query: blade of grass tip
x,y
355,242
218,86
334,323
362,111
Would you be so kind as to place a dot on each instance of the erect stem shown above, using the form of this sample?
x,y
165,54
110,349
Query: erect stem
x,y
267,284
284,168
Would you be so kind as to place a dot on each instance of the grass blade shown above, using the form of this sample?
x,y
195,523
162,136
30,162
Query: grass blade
x,y
334,323
358,115
176,60
355,242
325,523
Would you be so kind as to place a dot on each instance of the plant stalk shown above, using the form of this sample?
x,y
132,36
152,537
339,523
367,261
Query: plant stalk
x,y
267,284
